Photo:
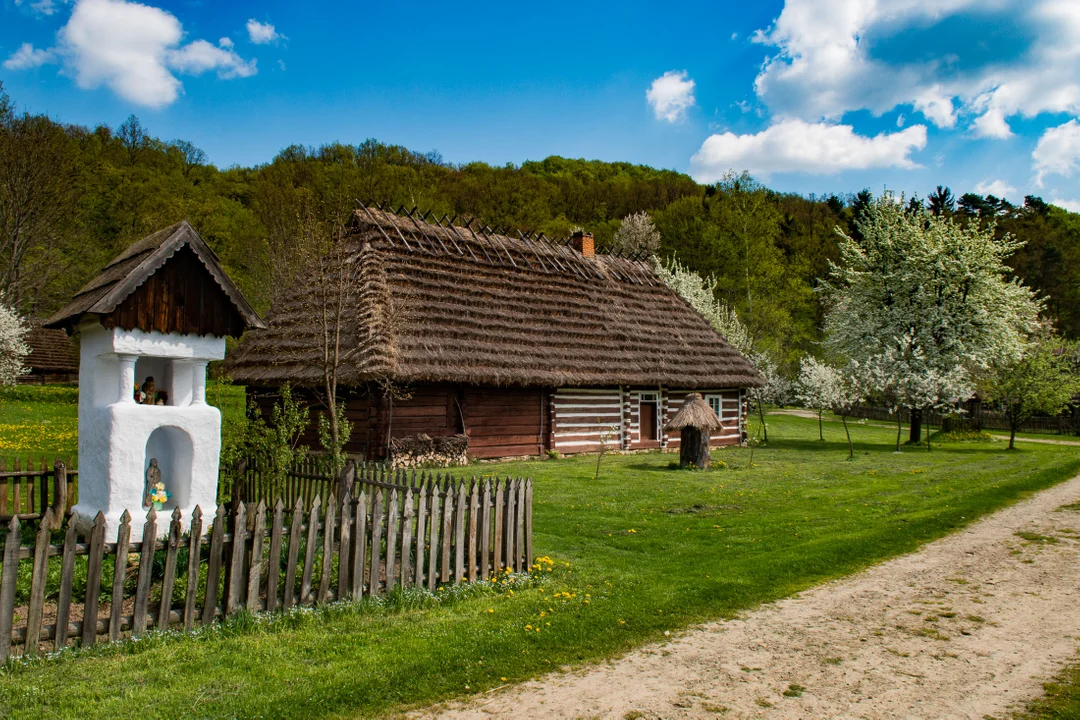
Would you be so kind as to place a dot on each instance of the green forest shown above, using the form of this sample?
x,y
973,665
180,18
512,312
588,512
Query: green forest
x,y
72,197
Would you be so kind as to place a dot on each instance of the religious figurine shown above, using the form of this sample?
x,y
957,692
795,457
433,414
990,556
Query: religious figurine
x,y
153,478
148,391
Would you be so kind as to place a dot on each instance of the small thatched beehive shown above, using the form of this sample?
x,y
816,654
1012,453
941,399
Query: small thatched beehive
x,y
695,422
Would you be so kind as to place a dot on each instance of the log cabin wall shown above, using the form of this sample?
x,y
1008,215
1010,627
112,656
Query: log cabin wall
x,y
505,422
581,416
361,410
508,422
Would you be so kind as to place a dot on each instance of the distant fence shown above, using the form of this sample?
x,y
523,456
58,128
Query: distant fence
x,y
389,534
27,492
976,417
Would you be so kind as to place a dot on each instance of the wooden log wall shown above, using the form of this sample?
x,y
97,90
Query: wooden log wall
x,y
505,422
396,531
583,416
28,489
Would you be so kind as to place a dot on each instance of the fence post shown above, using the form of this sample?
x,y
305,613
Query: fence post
x,y
12,545
345,480
60,488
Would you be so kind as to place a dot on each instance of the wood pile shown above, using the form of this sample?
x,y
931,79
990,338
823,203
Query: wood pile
x,y
415,451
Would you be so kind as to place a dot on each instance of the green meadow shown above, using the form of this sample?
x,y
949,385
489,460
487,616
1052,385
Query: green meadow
x,y
643,550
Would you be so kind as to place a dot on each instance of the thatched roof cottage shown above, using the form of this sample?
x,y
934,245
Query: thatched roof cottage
x,y
522,343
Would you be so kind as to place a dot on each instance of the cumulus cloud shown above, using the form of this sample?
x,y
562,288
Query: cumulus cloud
x,y
1057,152
27,56
671,95
997,188
134,50
793,145
261,33
831,57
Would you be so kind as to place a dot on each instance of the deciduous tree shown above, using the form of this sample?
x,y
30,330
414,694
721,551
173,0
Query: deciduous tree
x,y
1043,380
923,301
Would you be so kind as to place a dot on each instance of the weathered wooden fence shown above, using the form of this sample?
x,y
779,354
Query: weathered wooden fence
x,y
27,492
389,534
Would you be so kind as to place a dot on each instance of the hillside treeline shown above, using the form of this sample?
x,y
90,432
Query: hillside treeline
x,y
72,197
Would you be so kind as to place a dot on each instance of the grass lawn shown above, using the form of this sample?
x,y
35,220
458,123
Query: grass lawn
x,y
649,550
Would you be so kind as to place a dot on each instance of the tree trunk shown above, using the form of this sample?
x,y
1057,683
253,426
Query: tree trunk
x,y
915,436
1012,437
764,427
820,433
899,429
694,447
928,432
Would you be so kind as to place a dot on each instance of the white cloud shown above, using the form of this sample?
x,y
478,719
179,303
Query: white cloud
x,y
997,188
27,56
200,56
1057,152
1070,205
825,65
671,95
226,43
261,33
134,49
42,7
794,145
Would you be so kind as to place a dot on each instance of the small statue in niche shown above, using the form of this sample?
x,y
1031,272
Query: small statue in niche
x,y
153,478
149,393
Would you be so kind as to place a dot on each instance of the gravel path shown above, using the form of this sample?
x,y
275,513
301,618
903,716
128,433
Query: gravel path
x,y
966,627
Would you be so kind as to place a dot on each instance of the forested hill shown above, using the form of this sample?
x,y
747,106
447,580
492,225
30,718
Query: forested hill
x,y
72,197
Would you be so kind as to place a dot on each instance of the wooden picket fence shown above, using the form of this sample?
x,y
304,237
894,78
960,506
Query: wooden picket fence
x,y
27,492
388,535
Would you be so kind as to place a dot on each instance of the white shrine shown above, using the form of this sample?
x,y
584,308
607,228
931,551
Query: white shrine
x,y
148,326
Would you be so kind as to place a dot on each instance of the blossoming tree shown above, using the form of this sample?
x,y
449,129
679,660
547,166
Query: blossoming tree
x,y
921,302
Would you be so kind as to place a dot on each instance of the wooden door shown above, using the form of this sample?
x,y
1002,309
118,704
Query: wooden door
x,y
647,422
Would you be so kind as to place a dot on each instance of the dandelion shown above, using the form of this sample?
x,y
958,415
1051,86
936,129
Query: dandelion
x,y
491,610
622,622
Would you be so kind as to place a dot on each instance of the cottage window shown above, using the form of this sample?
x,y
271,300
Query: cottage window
x,y
716,402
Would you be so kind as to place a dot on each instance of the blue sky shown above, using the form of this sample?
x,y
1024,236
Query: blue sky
x,y
811,96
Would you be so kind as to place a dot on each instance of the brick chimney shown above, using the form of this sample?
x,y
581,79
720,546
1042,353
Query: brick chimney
x,y
583,243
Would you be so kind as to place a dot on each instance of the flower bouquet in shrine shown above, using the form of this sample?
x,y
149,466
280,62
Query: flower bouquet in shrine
x,y
159,495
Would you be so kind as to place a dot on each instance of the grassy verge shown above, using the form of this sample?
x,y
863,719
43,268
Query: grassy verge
x,y
1062,699
648,550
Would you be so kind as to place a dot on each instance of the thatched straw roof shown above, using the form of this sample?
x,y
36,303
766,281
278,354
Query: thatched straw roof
x,y
695,412
446,303
51,351
130,269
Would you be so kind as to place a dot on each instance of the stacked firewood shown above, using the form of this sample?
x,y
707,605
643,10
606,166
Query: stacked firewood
x,y
425,451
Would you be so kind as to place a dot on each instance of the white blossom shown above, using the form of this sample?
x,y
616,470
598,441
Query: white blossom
x,y
13,347
637,233
699,292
